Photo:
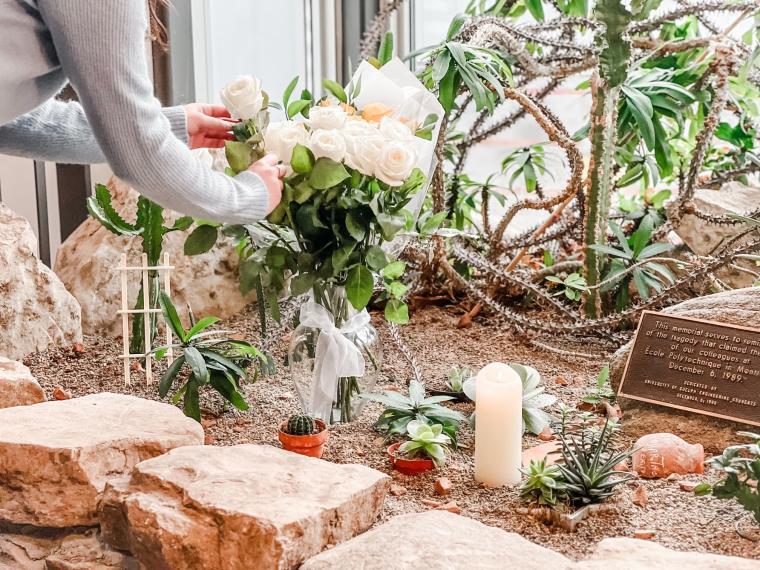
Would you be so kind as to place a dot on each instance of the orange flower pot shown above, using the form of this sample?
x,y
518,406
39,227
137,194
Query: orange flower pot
x,y
311,445
408,466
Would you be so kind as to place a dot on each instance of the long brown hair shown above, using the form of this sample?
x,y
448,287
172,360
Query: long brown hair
x,y
157,12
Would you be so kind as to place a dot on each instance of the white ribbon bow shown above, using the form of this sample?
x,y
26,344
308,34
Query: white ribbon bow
x,y
336,356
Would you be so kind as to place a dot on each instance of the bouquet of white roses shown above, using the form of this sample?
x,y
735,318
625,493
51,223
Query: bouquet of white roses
x,y
359,160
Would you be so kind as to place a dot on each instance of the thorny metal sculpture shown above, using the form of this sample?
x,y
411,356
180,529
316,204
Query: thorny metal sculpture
x,y
560,48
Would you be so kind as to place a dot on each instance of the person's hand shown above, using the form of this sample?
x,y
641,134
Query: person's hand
x,y
271,174
208,126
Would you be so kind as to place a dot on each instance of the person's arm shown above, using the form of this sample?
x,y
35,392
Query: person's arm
x,y
59,132
101,48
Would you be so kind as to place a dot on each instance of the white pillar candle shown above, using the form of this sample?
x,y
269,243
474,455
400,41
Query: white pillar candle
x,y
498,425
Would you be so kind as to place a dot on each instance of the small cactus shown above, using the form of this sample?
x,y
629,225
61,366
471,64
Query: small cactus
x,y
301,424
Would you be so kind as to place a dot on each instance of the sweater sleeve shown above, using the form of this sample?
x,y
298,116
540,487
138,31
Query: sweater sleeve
x,y
59,132
101,48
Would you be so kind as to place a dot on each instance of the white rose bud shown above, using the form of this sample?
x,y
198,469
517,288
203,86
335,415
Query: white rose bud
x,y
243,97
326,118
395,130
328,143
396,162
364,143
282,137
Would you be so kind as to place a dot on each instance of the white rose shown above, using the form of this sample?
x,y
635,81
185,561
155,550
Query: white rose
x,y
326,118
364,143
328,143
395,130
396,162
243,97
282,137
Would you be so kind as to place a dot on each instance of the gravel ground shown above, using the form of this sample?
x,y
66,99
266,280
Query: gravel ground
x,y
679,519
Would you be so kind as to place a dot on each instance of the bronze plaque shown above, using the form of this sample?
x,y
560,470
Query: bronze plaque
x,y
700,366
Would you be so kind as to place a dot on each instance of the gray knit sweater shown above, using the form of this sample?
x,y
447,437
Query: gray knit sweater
x,y
99,47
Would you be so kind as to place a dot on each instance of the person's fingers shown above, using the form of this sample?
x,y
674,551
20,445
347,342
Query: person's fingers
x,y
269,159
216,127
215,111
214,143
282,170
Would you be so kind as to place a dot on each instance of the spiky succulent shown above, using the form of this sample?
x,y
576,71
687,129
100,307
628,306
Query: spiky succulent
x,y
543,484
588,462
301,424
426,440
456,377
400,410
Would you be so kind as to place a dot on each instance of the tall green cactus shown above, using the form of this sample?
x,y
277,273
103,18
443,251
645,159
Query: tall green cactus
x,y
605,86
149,225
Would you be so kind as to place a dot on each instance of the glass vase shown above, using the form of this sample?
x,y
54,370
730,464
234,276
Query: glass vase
x,y
304,366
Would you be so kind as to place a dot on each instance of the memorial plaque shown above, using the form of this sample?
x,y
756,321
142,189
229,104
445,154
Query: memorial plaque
x,y
691,364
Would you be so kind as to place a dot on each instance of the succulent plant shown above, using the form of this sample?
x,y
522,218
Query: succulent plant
x,y
456,377
535,419
588,461
426,440
741,465
401,410
543,484
301,424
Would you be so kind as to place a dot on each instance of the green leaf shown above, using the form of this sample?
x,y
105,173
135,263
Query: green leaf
x,y
390,225
302,160
181,224
340,257
171,316
197,364
396,311
297,106
376,258
200,240
238,155
702,489
447,89
432,223
165,384
191,405
201,325
336,89
536,9
100,208
354,225
288,92
385,52
359,285
441,65
327,173
227,388
394,270
456,24
150,218
301,283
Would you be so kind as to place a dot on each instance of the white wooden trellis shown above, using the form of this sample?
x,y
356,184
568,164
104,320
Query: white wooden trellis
x,y
145,310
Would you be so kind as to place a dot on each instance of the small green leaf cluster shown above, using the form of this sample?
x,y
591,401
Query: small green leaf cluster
x,y
601,390
572,286
741,466
456,377
426,440
209,358
400,410
527,163
543,484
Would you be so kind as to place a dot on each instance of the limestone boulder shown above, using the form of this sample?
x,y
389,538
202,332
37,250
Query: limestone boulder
x,y
736,307
56,457
60,549
633,554
35,308
703,237
86,263
437,540
238,507
17,385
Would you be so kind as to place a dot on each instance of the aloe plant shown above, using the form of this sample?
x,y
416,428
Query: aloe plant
x,y
149,225
211,358
606,86
426,440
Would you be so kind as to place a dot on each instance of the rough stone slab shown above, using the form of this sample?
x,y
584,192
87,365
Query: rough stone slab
x,y
35,308
59,549
56,457
703,237
86,263
238,507
17,385
437,540
634,554
737,307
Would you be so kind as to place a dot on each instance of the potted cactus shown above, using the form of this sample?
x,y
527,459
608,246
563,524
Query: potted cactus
x,y
304,434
